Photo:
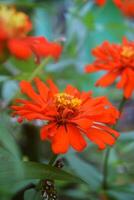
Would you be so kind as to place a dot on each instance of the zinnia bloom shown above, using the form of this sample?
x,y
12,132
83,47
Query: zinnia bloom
x,y
118,61
100,2
126,7
69,116
14,27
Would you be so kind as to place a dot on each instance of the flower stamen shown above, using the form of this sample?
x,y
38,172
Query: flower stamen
x,y
64,100
127,52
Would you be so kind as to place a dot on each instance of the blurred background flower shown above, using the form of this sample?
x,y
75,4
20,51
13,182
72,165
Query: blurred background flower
x,y
118,60
14,27
126,7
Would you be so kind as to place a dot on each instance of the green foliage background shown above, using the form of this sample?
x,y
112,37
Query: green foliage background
x,y
80,26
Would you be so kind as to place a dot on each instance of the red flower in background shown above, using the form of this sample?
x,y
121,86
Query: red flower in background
x,y
100,2
71,115
118,61
14,27
39,46
126,7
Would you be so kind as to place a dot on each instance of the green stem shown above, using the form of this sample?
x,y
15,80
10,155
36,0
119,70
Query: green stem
x,y
107,155
51,163
53,159
35,73
105,169
122,103
38,69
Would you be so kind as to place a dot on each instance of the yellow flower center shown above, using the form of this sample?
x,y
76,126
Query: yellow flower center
x,y
13,22
64,100
127,52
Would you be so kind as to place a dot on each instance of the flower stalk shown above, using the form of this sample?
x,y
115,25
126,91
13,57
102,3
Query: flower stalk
x,y
53,159
107,154
37,71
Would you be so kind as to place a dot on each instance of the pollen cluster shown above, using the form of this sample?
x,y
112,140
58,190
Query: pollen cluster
x,y
127,52
64,100
13,22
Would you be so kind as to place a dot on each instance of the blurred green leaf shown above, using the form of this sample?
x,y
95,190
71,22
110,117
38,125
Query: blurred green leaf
x,y
122,193
32,195
10,172
16,173
24,66
34,170
113,158
85,171
6,139
9,89
3,78
127,136
128,148
88,20
4,71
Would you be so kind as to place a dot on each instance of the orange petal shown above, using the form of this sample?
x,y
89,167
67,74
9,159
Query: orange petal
x,y
47,131
75,138
54,50
83,123
42,88
53,87
28,90
129,88
44,133
42,47
60,142
107,79
19,48
109,130
107,138
30,115
33,107
85,96
90,68
100,2
72,90
118,2
122,81
101,138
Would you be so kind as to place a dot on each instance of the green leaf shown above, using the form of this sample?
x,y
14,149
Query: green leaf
x,y
6,139
9,89
10,172
127,136
3,78
32,194
122,192
18,174
34,170
24,66
85,171
88,20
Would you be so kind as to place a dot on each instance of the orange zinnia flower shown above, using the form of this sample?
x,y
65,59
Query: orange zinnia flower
x,y
100,2
14,27
118,61
70,115
126,7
